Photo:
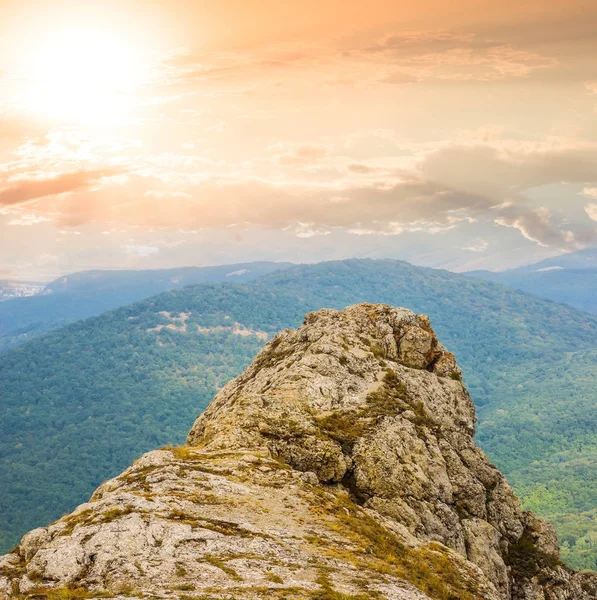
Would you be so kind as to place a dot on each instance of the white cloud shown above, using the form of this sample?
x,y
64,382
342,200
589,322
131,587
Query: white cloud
x,y
307,230
537,226
141,251
28,220
477,245
591,210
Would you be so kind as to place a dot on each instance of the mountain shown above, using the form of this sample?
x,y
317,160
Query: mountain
x,y
340,464
582,259
81,402
569,278
576,287
89,293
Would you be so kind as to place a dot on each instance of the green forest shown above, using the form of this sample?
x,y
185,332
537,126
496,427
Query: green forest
x,y
88,293
80,403
576,287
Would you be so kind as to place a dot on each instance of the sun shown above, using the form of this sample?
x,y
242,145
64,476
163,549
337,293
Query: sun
x,y
81,75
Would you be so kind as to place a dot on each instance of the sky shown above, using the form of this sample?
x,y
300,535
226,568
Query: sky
x,y
457,134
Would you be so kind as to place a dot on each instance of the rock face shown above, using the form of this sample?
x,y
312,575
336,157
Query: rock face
x,y
340,465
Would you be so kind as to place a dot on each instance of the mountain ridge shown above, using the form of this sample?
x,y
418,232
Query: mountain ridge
x,y
88,293
569,278
87,399
575,287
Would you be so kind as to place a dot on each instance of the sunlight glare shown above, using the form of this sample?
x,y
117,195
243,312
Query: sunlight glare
x,y
86,76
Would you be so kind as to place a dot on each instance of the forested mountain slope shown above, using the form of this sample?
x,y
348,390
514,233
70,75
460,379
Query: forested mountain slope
x,y
576,287
88,293
80,403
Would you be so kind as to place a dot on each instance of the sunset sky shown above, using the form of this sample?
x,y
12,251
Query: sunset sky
x,y
460,134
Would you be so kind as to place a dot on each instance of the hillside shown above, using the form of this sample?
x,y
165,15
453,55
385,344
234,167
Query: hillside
x,y
339,466
576,287
80,403
569,278
88,293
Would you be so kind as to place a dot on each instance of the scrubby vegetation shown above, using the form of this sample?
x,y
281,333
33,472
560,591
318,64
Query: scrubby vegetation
x,y
347,427
429,568
79,404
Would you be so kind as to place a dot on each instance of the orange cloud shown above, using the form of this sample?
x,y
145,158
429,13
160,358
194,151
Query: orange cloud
x,y
299,154
27,190
450,186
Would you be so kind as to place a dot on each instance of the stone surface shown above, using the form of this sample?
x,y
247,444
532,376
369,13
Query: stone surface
x,y
341,464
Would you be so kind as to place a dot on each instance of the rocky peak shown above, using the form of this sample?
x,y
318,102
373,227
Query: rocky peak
x,y
314,396
339,465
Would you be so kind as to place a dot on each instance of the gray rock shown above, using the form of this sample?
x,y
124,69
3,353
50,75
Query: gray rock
x,y
341,461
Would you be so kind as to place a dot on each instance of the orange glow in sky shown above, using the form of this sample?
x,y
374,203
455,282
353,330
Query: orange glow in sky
x,y
460,134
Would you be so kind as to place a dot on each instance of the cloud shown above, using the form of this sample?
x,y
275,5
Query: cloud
x,y
453,56
537,226
15,127
27,220
591,210
504,172
399,78
415,43
397,57
451,185
297,155
25,190
447,187
307,230
477,245
381,207
140,251
591,88
193,66
361,169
